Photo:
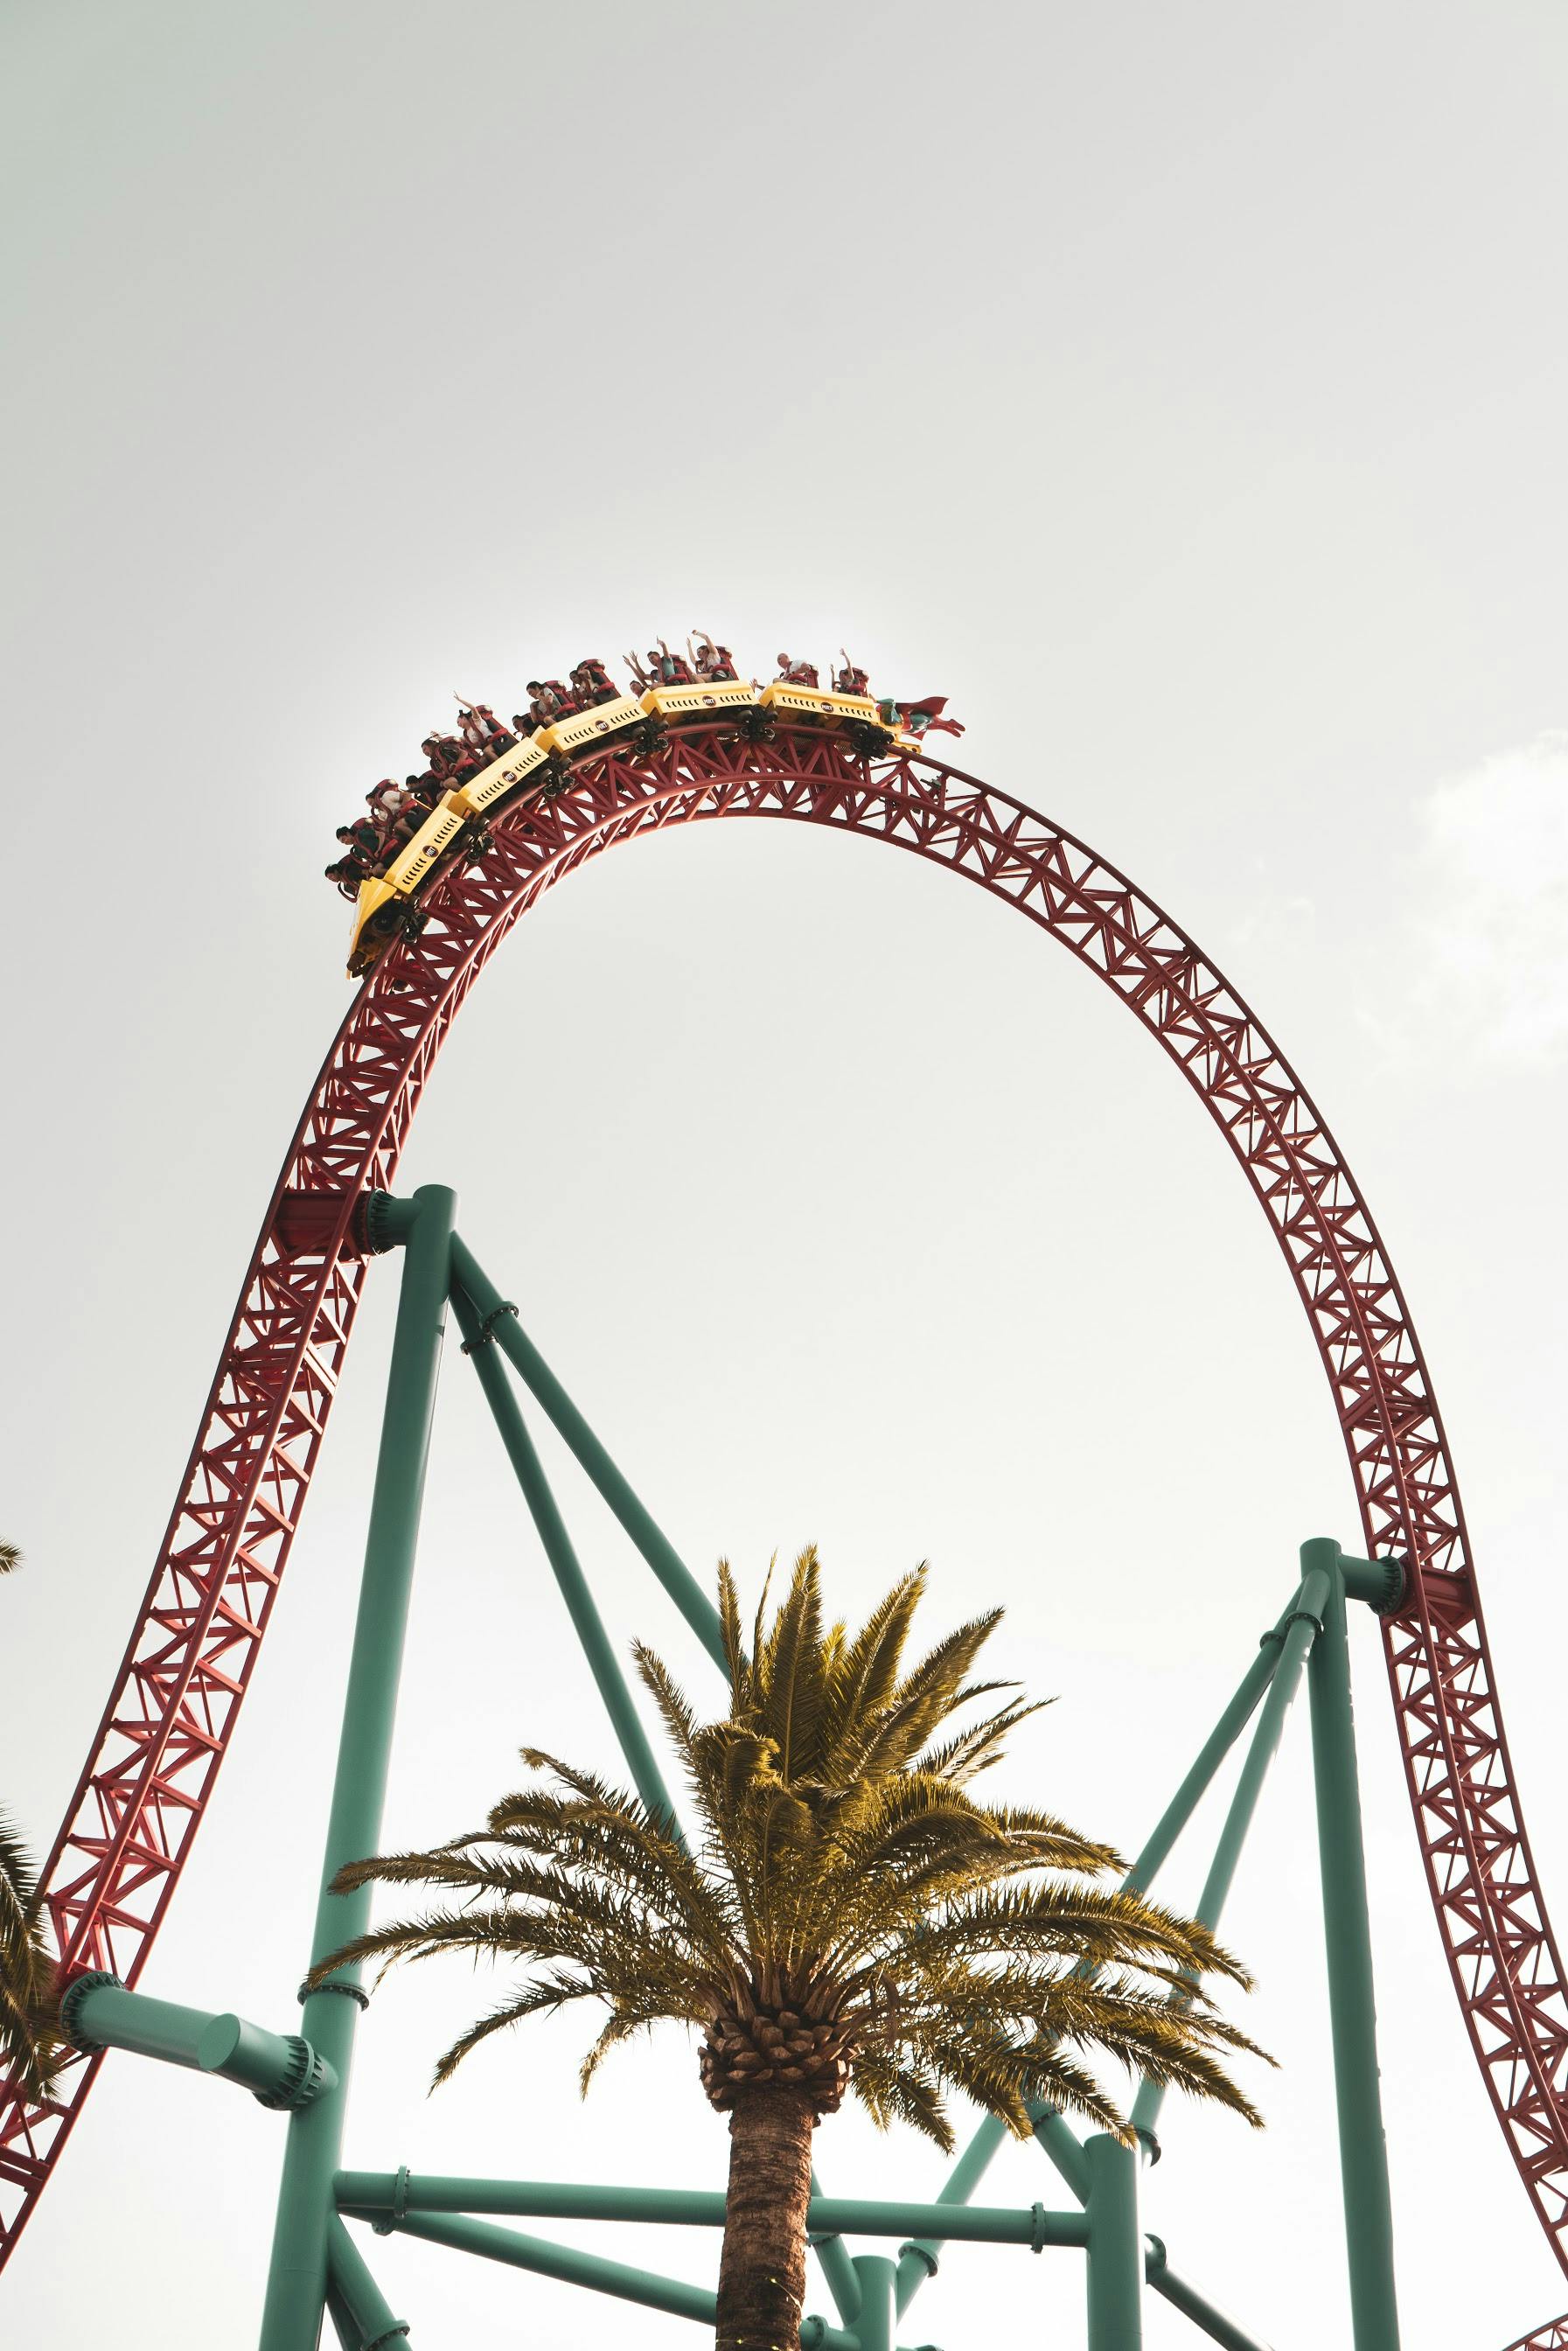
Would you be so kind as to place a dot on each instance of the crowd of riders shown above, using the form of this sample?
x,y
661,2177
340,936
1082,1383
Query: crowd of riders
x,y
394,813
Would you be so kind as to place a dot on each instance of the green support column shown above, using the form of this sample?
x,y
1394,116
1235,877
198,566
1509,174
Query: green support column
x,y
874,2326
297,2285
1115,2265
1348,1936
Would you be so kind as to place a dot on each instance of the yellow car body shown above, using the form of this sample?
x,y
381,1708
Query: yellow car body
x,y
810,702
501,776
698,701
586,727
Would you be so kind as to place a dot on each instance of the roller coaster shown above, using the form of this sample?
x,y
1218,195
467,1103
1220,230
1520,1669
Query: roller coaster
x,y
425,930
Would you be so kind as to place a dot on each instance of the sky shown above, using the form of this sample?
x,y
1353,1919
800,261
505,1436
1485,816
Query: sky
x,y
1179,391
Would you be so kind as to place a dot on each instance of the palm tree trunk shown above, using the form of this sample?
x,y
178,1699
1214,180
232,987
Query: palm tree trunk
x,y
762,2271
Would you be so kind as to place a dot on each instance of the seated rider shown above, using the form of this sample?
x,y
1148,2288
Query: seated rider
x,y
548,701
388,805
850,680
444,752
714,662
593,682
483,736
794,673
358,861
669,669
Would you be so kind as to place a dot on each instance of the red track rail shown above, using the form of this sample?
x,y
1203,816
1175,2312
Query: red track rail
x,y
175,1705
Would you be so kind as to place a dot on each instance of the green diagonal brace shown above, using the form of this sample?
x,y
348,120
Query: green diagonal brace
x,y
639,1522
597,1648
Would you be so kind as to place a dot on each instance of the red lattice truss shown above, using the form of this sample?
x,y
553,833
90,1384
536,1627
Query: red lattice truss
x,y
175,1705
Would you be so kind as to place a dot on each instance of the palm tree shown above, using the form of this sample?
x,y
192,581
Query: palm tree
x,y
28,2049
851,1918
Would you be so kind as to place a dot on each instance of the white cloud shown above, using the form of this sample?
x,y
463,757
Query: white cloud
x,y
1490,913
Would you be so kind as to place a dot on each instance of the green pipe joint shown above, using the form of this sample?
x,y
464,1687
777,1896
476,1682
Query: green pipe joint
x,y
280,2070
1383,1584
388,1221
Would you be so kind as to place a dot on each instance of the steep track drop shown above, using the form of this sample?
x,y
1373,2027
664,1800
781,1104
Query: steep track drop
x,y
175,1705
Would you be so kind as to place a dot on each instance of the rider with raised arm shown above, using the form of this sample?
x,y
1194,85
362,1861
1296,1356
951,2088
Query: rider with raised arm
x,y
714,663
669,669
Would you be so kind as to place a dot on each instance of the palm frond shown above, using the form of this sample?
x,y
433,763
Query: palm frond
x,y
674,1708
788,1675
729,1626
535,1999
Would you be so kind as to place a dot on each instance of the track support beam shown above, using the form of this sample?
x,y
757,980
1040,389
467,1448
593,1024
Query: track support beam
x,y
1115,2270
1347,1938
297,2283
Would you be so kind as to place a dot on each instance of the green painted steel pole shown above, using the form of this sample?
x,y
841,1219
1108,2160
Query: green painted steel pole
x,y
1065,2148
565,2262
280,2070
378,2194
603,1664
833,2257
1302,1627
1348,1936
1207,2315
1114,2269
1209,1758
918,2261
546,2259
297,2283
362,2301
874,2326
639,1522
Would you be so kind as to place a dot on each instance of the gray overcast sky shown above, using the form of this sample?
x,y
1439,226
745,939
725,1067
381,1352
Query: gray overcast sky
x,y
1180,390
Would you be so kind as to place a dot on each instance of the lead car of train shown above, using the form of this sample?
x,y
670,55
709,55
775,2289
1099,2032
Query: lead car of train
x,y
386,908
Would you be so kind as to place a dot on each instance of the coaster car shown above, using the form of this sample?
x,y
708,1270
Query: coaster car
x,y
502,776
586,727
379,909
698,700
812,701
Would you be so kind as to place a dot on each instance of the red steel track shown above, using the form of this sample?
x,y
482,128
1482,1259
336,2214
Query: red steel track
x,y
175,1703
